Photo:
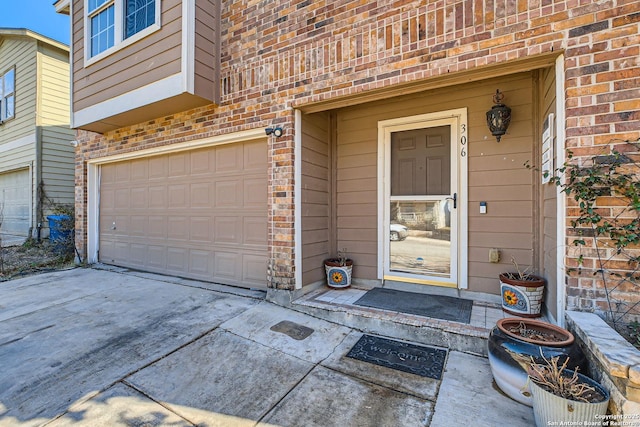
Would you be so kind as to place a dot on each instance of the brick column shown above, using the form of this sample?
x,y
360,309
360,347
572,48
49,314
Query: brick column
x,y
281,205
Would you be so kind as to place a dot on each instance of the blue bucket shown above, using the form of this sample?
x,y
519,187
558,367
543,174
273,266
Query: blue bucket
x,y
58,235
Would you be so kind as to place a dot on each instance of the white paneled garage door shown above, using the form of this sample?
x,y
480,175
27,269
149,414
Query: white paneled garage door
x,y
15,202
199,214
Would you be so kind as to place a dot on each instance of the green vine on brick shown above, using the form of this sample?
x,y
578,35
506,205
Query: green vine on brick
x,y
611,177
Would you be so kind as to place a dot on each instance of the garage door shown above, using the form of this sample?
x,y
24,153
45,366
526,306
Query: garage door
x,y
199,214
15,202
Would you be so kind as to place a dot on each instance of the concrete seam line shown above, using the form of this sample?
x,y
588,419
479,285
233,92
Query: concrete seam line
x,y
175,281
287,393
196,338
128,384
123,379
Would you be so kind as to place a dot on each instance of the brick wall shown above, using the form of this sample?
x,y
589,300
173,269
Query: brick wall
x,y
603,275
282,54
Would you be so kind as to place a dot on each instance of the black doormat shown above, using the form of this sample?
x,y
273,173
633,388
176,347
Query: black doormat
x,y
436,306
414,359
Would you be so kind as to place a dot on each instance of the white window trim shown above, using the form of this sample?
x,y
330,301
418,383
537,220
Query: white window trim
x,y
119,41
4,95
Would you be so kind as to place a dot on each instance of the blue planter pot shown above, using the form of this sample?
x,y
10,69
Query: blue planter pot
x,y
510,354
60,234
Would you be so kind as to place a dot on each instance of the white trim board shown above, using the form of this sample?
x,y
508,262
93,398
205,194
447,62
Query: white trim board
x,y
561,208
153,92
18,143
297,195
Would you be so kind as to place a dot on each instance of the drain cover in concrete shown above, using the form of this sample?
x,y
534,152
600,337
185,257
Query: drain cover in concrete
x,y
414,359
294,330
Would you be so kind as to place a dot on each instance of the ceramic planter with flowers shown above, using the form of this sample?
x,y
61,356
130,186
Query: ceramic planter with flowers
x,y
522,293
338,271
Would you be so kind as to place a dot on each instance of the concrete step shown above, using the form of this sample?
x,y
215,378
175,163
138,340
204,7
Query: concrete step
x,y
337,305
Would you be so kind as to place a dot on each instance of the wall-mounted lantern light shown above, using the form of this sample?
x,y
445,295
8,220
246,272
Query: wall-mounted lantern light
x,y
499,116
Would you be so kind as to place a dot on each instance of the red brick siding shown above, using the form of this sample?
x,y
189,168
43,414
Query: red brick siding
x,y
281,54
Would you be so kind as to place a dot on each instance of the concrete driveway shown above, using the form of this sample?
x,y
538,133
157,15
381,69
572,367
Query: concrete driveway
x,y
108,348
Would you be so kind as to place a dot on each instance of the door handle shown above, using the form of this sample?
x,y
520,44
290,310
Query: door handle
x,y
455,200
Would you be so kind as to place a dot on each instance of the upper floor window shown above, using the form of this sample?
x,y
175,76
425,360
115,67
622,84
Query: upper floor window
x,y
7,94
138,15
111,23
102,23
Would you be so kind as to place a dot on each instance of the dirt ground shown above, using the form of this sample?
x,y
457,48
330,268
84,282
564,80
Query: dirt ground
x,y
30,258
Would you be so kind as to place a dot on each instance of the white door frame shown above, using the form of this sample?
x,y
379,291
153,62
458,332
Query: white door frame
x,y
457,119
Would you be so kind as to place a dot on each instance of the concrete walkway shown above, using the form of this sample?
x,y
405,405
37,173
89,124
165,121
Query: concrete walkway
x,y
88,347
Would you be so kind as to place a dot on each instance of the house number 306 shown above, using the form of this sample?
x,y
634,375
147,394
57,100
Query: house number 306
x,y
463,139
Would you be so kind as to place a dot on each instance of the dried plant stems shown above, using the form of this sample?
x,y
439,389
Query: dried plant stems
x,y
551,377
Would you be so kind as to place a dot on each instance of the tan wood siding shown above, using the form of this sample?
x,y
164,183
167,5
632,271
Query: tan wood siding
x,y
550,243
148,60
315,196
207,69
496,175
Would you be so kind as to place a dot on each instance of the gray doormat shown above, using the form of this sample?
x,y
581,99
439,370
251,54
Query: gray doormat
x,y
414,359
436,306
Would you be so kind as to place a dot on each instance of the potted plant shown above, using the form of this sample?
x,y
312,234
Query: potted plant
x,y
522,292
514,342
561,395
338,270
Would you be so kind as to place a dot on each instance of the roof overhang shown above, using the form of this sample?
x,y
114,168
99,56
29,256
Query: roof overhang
x,y
63,6
23,32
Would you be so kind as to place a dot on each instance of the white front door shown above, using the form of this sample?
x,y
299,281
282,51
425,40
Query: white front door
x,y
423,199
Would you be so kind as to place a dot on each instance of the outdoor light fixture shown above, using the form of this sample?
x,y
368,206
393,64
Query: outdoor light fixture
x,y
499,116
276,131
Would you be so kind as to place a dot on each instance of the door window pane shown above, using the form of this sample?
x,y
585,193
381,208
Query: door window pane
x,y
419,214
421,162
420,237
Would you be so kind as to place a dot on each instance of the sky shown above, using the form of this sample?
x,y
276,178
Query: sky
x,y
35,15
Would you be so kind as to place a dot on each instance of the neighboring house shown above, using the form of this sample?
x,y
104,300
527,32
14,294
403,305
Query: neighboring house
x,y
36,155
382,108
